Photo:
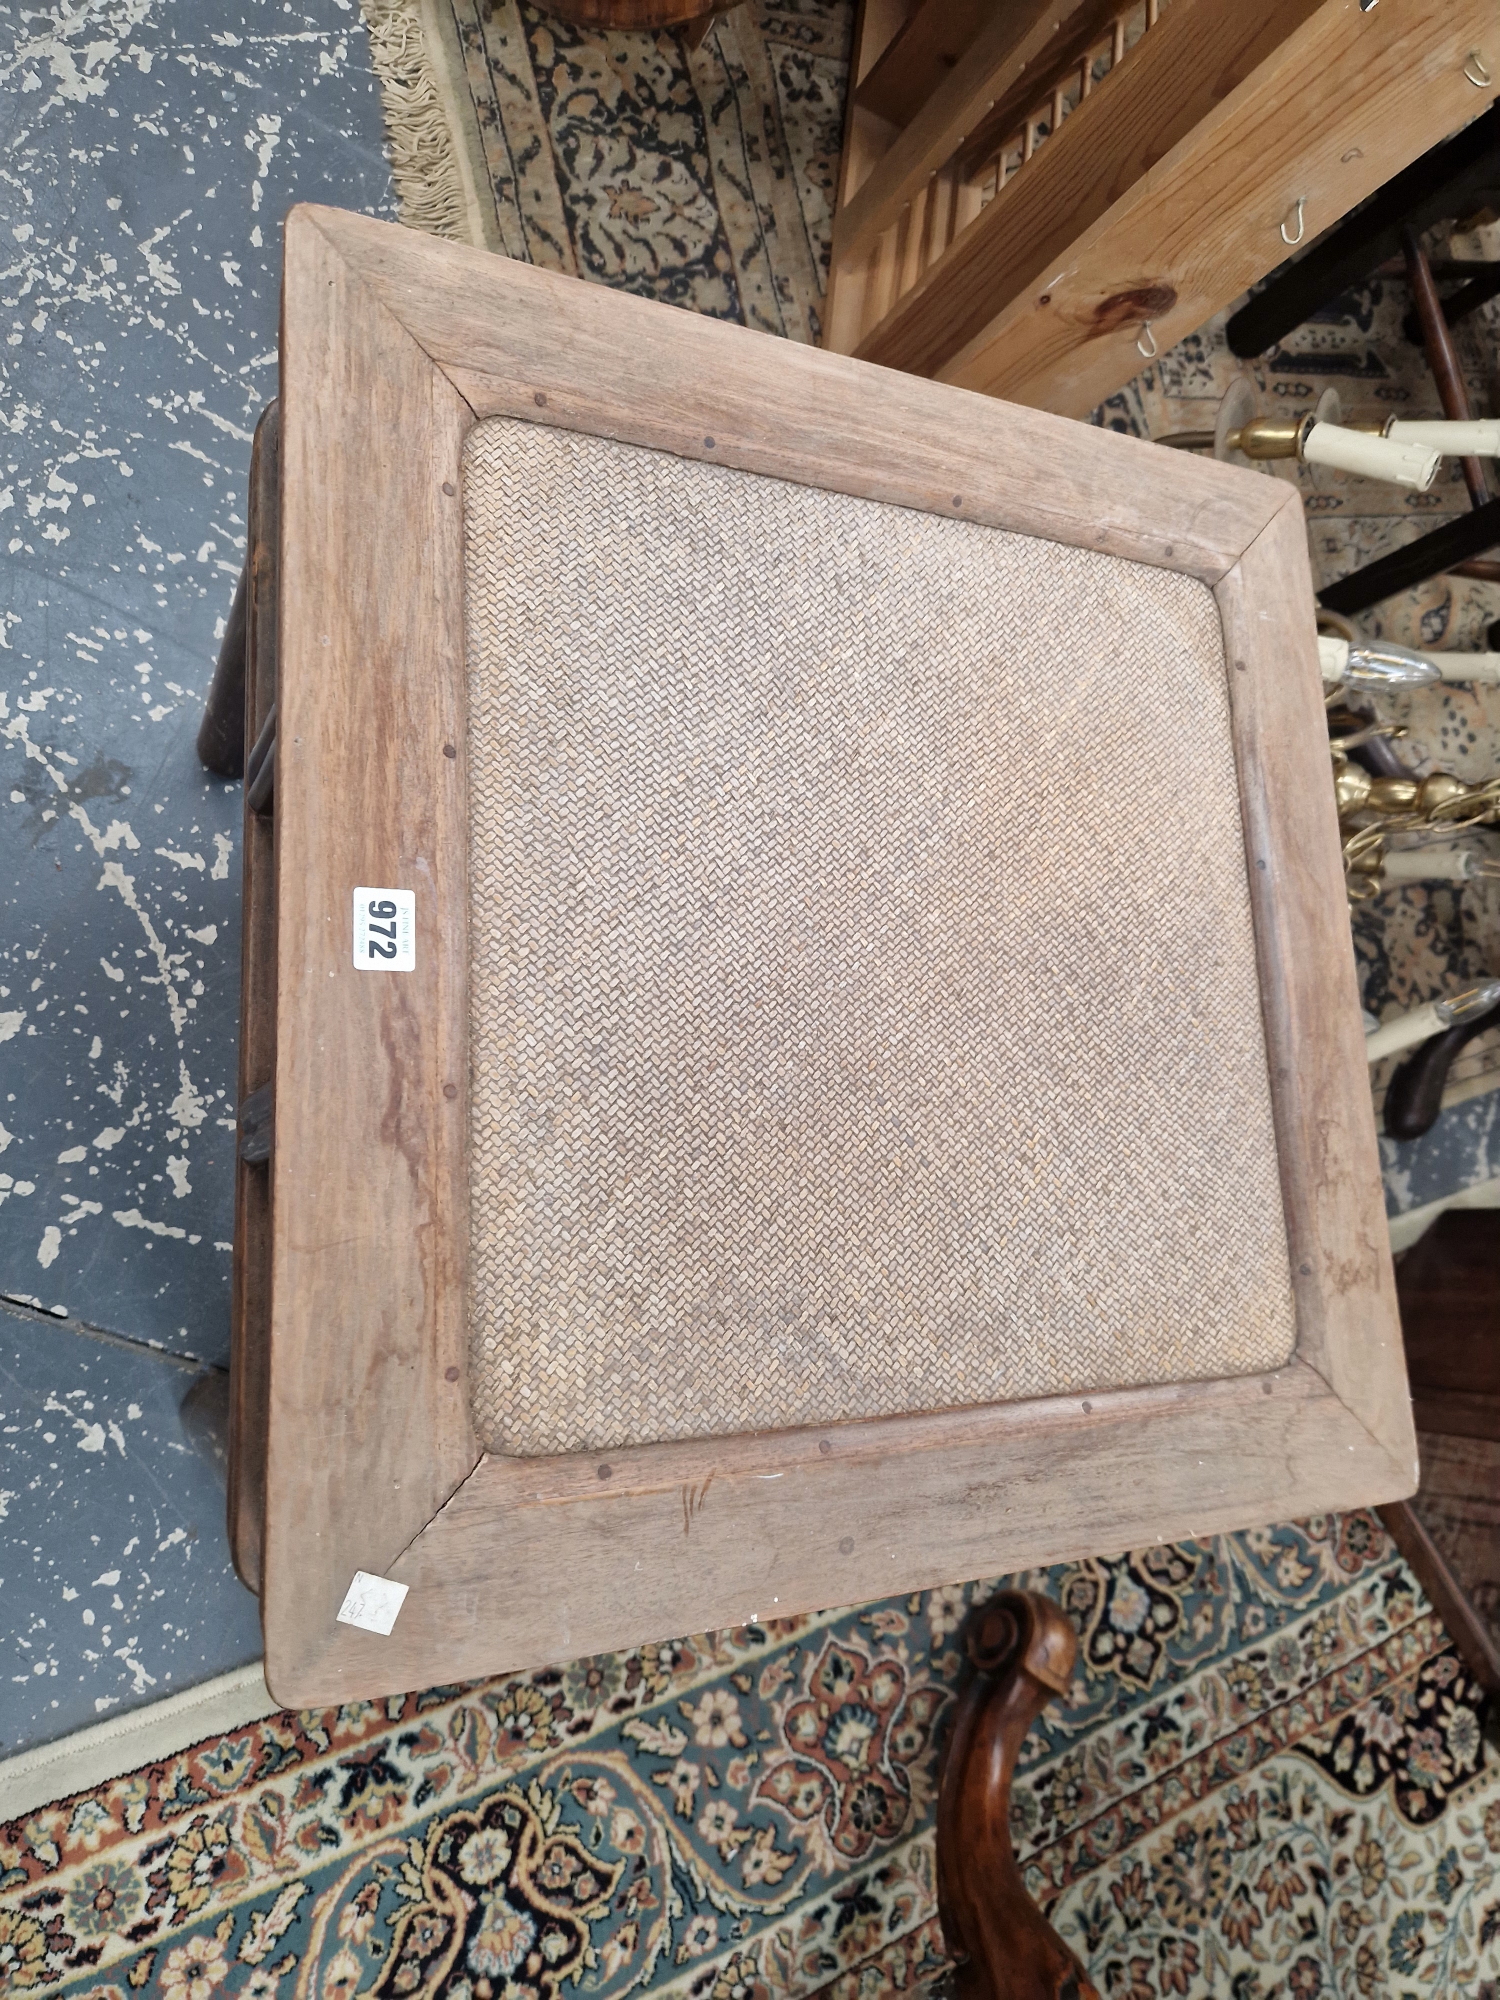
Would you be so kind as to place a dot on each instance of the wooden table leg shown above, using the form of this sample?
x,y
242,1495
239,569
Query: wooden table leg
x,y
1442,355
221,733
1022,1650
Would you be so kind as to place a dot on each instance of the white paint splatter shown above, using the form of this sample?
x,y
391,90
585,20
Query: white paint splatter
x,y
110,1136
163,275
208,935
10,1024
269,127
177,1174
49,1246
15,731
5,1138
114,877
117,834
182,860
143,1680
189,1107
72,1156
78,73
131,1218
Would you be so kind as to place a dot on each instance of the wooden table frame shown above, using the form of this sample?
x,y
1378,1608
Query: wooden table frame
x,y
393,345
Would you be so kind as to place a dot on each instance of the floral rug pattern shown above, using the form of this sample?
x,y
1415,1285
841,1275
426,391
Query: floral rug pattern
x,y
703,178
1270,1778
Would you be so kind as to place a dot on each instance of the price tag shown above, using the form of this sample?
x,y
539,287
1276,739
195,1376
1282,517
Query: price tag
x,y
372,1602
385,930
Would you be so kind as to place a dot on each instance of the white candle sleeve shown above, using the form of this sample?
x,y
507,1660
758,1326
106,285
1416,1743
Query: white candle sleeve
x,y
1428,864
1479,669
1391,1037
1333,657
1478,439
1412,465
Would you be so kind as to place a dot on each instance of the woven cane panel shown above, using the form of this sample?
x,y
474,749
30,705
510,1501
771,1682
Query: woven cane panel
x,y
864,1002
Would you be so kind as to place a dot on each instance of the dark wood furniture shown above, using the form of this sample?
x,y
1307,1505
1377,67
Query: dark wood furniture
x,y
1449,1286
693,18
1021,1650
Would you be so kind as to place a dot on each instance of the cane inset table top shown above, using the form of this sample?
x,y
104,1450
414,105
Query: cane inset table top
x,y
864,1007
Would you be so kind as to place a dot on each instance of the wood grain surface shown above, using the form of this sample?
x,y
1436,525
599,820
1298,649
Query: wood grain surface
x,y
250,1297
516,341
921,54
1159,198
1196,56
537,1561
369,1426
1349,1327
1013,43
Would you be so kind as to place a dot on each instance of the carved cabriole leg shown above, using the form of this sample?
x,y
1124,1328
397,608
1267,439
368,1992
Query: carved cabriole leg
x,y
1022,1649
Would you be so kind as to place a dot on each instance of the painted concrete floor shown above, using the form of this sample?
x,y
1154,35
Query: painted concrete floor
x,y
152,148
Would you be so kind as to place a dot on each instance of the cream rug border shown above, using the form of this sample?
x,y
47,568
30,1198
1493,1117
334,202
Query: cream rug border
x,y
95,1756
436,156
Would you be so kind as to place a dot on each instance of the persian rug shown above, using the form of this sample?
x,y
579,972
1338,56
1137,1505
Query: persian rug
x,y
1270,1777
704,178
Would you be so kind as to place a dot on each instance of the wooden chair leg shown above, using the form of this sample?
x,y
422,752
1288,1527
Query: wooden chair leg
x,y
1468,1631
1022,1650
221,734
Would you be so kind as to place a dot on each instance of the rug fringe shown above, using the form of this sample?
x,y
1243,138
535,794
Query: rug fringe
x,y
429,185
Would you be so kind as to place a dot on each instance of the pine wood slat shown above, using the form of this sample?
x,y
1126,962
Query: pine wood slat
x,y
1014,43
1044,304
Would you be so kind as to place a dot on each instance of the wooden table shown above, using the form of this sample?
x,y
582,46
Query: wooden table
x,y
977,774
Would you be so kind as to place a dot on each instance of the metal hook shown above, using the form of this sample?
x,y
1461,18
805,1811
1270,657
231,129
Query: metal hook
x,y
1484,77
1293,241
1142,337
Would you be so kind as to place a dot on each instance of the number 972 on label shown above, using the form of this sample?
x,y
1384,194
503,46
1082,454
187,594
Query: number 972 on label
x,y
385,930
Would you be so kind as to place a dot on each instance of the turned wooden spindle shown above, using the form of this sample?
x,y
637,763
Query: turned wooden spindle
x,y
1022,1650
